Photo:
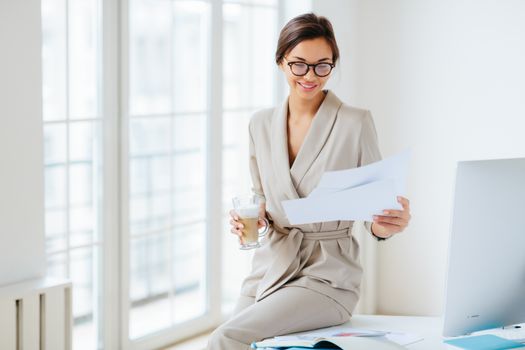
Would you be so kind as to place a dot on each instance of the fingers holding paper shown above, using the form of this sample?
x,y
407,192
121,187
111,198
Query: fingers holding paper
x,y
393,221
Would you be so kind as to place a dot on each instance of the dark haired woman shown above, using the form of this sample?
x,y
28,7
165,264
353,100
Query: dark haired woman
x,y
304,276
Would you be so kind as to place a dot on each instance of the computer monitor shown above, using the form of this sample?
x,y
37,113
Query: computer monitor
x,y
486,265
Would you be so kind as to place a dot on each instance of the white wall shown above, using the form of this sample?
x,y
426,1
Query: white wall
x,y
344,18
447,79
21,178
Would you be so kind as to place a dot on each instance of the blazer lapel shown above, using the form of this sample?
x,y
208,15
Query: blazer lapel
x,y
279,149
315,138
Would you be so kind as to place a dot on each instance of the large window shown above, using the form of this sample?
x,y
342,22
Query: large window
x,y
137,193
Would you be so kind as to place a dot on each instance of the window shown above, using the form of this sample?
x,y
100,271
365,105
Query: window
x,y
168,111
160,190
72,154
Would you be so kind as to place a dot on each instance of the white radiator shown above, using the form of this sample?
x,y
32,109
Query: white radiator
x,y
36,315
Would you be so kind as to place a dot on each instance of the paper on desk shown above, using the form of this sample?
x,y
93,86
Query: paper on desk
x,y
336,331
352,194
401,338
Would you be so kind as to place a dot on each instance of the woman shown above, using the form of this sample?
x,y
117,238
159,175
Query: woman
x,y
304,276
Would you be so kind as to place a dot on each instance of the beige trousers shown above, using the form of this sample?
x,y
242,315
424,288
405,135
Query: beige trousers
x,y
287,310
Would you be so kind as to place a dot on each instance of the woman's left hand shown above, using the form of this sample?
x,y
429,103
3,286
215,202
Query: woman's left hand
x,y
393,221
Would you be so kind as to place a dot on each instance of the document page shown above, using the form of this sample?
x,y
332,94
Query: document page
x,y
353,194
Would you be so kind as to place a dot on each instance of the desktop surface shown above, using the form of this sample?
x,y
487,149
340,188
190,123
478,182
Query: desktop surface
x,y
430,328
427,327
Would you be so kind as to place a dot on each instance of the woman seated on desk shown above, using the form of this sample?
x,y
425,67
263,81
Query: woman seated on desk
x,y
304,276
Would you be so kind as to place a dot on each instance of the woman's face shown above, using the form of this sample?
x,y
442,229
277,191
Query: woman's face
x,y
311,51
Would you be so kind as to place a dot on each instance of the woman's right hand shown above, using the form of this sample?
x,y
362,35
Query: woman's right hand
x,y
236,225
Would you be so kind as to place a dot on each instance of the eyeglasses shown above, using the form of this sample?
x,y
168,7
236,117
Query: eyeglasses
x,y
320,69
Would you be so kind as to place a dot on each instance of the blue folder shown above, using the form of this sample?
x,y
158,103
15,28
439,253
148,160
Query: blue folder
x,y
484,342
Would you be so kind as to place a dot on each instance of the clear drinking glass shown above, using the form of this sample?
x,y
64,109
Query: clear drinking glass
x,y
248,207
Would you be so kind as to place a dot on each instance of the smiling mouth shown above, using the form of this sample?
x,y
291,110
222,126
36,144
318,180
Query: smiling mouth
x,y
307,86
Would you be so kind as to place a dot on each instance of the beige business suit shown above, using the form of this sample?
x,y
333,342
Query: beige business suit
x,y
303,276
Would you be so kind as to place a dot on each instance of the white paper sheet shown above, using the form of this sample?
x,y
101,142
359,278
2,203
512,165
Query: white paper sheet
x,y
337,331
404,338
394,167
353,194
401,338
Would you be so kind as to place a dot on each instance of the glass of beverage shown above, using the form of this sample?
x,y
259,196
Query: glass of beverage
x,y
247,208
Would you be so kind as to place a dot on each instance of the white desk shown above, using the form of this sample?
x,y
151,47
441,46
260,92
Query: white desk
x,y
429,328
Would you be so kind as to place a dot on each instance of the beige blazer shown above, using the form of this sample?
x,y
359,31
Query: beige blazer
x,y
324,256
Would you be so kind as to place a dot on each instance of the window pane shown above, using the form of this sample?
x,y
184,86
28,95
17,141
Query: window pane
x,y
57,266
54,59
81,185
189,181
56,233
236,172
150,57
150,304
140,216
235,128
160,207
189,132
84,182
82,222
190,55
55,187
263,43
150,175
55,148
82,141
189,287
189,204
84,58
55,206
83,273
189,169
149,137
250,39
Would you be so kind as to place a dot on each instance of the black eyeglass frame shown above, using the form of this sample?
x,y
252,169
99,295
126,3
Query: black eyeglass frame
x,y
314,66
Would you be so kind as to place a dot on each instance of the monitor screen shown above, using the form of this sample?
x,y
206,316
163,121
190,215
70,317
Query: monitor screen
x,y
486,263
